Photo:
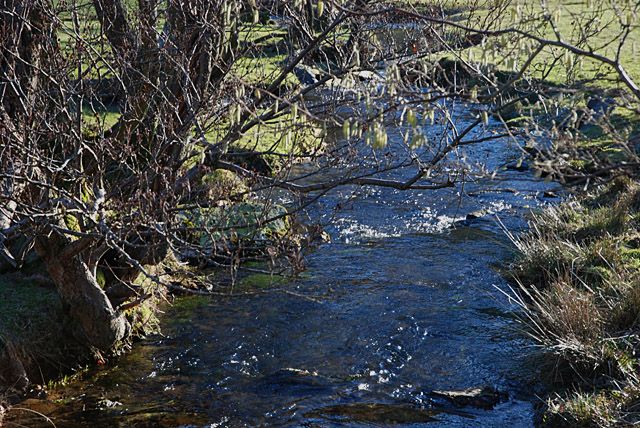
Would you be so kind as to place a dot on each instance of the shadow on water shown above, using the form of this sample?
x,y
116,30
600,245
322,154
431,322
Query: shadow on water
x,y
407,306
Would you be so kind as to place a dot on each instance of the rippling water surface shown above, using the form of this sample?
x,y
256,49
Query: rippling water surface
x,y
399,304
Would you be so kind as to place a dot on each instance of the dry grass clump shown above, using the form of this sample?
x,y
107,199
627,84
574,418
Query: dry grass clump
x,y
578,276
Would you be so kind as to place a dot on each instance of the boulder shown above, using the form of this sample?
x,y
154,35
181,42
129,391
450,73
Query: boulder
x,y
601,107
519,165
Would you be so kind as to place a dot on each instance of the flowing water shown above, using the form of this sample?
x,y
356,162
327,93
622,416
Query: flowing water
x,y
402,302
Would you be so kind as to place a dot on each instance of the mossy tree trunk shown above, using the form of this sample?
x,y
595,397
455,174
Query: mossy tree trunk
x,y
101,325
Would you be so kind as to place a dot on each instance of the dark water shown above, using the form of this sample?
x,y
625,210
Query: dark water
x,y
398,305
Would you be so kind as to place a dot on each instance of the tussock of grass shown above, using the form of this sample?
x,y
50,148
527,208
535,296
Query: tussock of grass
x,y
579,282
584,410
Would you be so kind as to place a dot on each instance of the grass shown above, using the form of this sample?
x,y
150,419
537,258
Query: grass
x,y
32,325
36,333
276,139
562,82
565,81
579,282
593,25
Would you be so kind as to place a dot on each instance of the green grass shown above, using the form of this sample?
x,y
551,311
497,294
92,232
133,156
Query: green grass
x,y
95,121
250,33
568,18
261,69
590,25
287,135
25,308
32,323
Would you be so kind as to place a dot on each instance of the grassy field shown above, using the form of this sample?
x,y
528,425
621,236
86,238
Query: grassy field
x,y
568,81
595,26
262,64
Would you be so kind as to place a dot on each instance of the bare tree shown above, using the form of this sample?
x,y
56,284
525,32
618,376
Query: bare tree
x,y
115,114
87,193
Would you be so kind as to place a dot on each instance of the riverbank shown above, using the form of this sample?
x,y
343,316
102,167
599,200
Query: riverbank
x,y
38,343
578,274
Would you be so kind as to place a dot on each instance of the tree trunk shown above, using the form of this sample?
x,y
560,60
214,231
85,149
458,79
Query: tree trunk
x,y
12,372
102,327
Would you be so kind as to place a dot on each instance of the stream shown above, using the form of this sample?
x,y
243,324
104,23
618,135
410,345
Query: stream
x,y
402,302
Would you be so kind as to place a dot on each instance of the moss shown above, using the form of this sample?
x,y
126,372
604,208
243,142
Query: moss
x,y
72,222
260,281
258,222
579,164
223,185
182,308
100,278
190,303
143,319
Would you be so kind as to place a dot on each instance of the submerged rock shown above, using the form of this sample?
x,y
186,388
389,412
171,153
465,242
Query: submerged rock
x,y
293,382
470,218
477,214
375,413
486,397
